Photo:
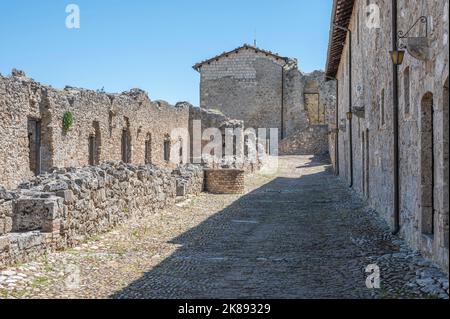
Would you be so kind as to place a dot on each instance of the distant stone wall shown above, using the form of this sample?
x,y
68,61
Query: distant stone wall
x,y
64,208
225,181
247,86
31,123
310,141
216,119
265,92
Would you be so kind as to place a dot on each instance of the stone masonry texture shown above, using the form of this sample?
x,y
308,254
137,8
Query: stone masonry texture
x,y
65,208
423,122
268,92
317,245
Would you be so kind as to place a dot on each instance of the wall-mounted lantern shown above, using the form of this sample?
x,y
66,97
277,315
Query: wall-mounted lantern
x,y
349,115
398,56
418,47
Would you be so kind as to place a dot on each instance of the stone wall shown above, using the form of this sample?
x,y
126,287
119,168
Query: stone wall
x,y
64,208
225,181
422,92
246,85
266,92
216,119
101,122
311,141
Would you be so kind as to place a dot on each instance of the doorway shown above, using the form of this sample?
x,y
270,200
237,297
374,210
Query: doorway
x,y
34,145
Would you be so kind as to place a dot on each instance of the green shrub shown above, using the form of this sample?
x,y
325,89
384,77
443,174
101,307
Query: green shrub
x,y
67,121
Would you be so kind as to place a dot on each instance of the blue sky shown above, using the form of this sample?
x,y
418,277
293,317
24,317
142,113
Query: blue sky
x,y
153,44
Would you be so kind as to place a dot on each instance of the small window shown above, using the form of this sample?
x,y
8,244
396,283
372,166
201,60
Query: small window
x,y
181,151
148,149
167,150
406,91
382,102
126,146
92,148
357,28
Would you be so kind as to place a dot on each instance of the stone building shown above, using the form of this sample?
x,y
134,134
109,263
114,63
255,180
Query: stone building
x,y
266,90
392,120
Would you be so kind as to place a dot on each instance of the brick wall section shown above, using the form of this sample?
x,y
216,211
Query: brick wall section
x,y
225,181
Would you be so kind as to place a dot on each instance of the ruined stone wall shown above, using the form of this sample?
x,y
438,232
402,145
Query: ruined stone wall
x,y
66,207
295,114
373,122
114,113
105,117
310,141
265,93
215,119
20,100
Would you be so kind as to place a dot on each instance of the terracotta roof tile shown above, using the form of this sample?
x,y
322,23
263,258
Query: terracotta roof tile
x,y
342,12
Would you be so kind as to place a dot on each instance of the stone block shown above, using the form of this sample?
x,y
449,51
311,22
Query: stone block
x,y
66,195
4,244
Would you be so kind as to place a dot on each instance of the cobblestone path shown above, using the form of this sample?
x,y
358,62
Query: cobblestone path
x,y
299,233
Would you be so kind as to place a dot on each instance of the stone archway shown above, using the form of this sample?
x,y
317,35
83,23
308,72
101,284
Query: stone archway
x,y
427,164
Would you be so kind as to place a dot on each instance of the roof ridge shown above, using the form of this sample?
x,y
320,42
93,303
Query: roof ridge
x,y
197,66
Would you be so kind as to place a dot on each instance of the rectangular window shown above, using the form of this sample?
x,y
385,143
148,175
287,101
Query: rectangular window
x,y
382,102
92,148
357,28
34,145
126,147
148,151
166,150
406,91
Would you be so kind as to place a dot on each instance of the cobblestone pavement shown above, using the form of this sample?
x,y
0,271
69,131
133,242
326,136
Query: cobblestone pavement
x,y
299,233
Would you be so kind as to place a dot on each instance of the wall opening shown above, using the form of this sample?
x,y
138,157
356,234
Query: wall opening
x,y
427,164
446,164
167,149
126,146
180,153
91,150
367,165
34,145
406,91
382,108
94,145
148,149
